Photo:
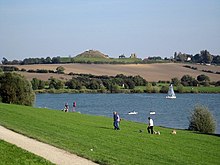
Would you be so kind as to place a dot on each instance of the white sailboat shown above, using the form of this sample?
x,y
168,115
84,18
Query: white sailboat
x,y
171,94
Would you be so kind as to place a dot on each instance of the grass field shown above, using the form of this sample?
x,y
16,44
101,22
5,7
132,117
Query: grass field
x,y
100,60
187,89
79,133
201,89
11,154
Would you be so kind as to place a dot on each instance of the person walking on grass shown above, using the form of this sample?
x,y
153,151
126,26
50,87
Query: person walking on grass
x,y
150,127
116,120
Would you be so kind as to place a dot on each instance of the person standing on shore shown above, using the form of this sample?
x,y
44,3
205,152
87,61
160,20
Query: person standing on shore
x,y
74,106
66,107
116,119
150,127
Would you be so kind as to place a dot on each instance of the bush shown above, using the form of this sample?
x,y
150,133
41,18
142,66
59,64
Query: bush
x,y
202,120
180,88
15,89
149,88
164,89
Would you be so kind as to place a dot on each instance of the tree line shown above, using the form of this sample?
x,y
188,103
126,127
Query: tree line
x,y
121,83
203,57
113,84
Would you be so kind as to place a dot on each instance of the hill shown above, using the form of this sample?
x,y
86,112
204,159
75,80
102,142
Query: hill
x,y
79,133
92,54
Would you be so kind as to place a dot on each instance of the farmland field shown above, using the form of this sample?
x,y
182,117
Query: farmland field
x,y
150,72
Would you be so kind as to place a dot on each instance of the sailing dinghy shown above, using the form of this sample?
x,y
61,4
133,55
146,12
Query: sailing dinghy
x,y
171,94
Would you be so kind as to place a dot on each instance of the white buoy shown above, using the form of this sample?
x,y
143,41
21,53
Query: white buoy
x,y
152,113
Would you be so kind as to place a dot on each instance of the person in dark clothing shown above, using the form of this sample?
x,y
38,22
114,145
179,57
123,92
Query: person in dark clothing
x,y
116,120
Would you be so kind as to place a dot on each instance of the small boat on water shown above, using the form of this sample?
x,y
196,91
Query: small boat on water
x,y
152,113
171,94
133,113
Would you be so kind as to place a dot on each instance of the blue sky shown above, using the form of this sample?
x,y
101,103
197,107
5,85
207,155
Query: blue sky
x,y
32,28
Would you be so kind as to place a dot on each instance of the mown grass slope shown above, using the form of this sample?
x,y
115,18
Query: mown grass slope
x,y
79,133
11,154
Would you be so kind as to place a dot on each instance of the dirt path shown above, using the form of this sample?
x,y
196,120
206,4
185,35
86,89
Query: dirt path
x,y
46,151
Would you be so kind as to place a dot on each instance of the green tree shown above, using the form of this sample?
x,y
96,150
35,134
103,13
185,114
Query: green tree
x,y
139,81
149,88
60,70
15,89
175,81
206,56
74,83
94,84
180,88
202,120
217,83
115,89
56,84
48,60
203,78
35,83
56,60
41,84
164,89
130,83
188,80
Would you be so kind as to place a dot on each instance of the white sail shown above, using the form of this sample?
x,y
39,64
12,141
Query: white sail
x,y
171,94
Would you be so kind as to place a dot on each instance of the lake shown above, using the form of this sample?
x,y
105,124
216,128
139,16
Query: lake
x,y
172,113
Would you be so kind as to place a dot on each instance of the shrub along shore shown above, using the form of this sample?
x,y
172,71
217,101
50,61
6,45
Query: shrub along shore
x,y
79,133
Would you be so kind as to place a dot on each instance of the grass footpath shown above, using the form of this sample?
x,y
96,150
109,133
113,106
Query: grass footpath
x,y
79,133
11,154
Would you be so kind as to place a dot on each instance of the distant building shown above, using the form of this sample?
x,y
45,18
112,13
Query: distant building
x,y
133,55
188,59
122,56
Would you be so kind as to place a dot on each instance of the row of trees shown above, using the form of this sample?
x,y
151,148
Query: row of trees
x,y
110,83
188,80
59,70
203,57
26,61
119,83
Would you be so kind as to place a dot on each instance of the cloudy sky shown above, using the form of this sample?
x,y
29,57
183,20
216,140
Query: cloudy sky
x,y
33,28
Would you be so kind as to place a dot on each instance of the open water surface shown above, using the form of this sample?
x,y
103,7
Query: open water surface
x,y
172,113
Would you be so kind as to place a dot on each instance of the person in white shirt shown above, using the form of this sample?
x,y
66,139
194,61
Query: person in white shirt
x,y
150,127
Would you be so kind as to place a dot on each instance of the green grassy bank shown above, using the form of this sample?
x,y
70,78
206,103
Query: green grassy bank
x,y
185,89
79,133
137,89
11,154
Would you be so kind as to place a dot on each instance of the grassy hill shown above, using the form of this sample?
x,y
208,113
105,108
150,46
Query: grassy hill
x,y
79,133
92,54
11,154
97,57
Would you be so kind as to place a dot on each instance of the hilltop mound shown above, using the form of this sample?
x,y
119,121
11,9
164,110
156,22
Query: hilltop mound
x,y
92,54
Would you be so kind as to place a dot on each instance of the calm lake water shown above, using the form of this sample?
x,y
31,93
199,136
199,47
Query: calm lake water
x,y
172,113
